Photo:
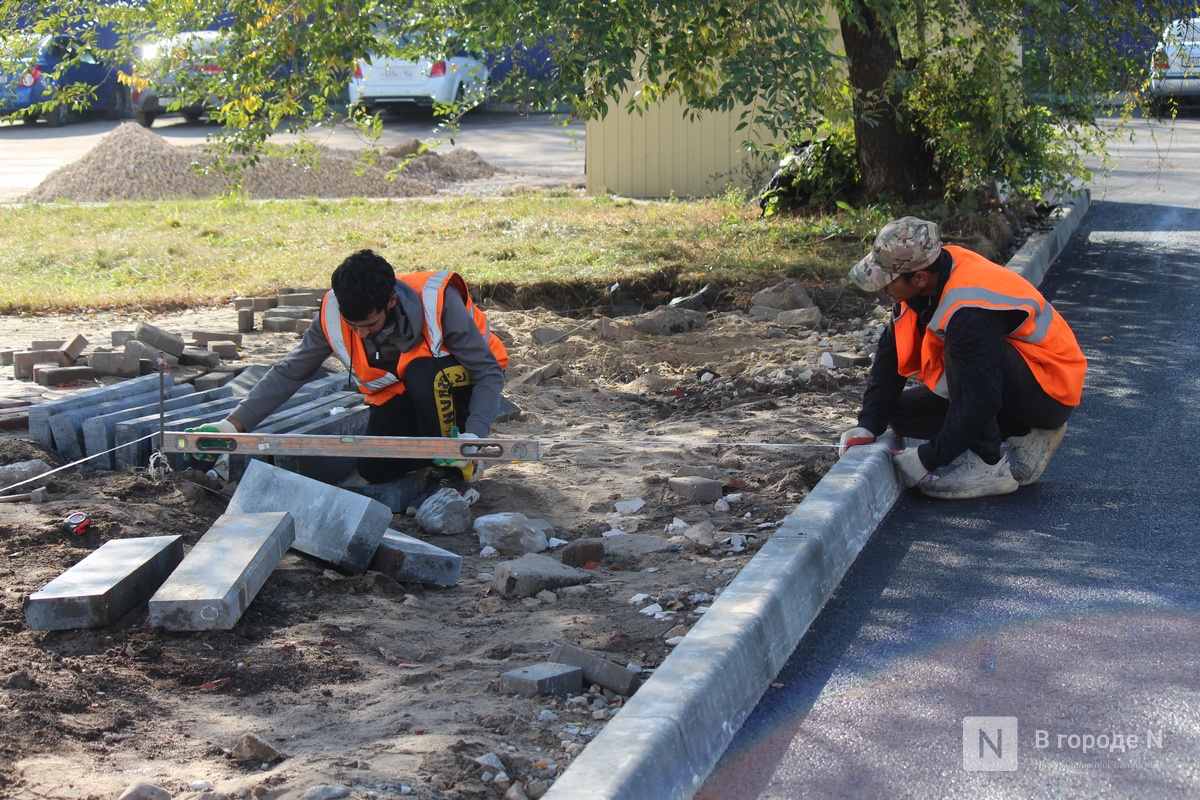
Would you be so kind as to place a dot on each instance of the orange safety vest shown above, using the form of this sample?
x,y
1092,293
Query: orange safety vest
x,y
1044,340
380,385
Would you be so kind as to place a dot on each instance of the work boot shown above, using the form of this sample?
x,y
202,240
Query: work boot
x,y
1030,454
973,477
440,478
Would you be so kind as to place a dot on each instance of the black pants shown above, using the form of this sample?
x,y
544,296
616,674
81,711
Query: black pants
x,y
437,398
921,414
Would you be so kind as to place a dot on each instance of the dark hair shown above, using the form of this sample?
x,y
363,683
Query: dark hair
x,y
362,284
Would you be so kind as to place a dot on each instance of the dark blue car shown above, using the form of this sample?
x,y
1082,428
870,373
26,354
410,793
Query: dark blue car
x,y
27,65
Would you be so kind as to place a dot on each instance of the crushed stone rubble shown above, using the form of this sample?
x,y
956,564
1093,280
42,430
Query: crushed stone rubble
x,y
134,163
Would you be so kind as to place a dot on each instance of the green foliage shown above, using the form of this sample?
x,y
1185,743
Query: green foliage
x,y
817,173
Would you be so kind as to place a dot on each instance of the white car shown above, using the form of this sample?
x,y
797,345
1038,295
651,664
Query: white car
x,y
1175,72
386,84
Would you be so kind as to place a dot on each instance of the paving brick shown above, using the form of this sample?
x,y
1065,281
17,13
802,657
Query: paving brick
x,y
199,357
279,325
332,524
224,348
159,339
132,450
47,344
302,297
544,678
255,303
597,669
119,338
99,429
138,350
106,584
245,320
6,358
303,324
24,360
39,415
52,375
410,560
223,573
75,346
291,312
693,487
202,338
67,427
115,364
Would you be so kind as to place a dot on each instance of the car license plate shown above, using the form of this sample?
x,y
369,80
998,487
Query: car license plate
x,y
399,73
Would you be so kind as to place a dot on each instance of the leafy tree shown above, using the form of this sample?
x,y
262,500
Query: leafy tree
x,y
941,96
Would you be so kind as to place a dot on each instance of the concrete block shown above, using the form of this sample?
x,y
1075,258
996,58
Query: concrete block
x,y
202,338
327,420
597,669
245,322
533,572
251,375
138,350
255,303
115,364
99,429
223,573
39,415
332,524
544,678
199,357
67,427
24,360
133,450
47,344
224,348
159,339
409,560
75,346
213,380
302,297
279,325
508,410
291,312
6,358
843,360
303,324
119,338
52,375
693,487
397,495
106,584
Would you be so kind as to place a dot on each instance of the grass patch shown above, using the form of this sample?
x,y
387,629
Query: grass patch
x,y
524,249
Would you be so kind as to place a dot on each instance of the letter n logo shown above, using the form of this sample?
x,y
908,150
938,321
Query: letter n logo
x,y
989,744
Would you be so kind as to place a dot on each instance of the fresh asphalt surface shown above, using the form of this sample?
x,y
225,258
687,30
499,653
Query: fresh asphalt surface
x,y
1072,605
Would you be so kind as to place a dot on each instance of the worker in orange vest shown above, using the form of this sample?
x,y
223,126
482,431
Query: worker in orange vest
x,y
415,345
997,370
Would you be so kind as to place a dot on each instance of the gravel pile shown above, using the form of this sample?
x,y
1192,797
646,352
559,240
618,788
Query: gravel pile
x,y
133,163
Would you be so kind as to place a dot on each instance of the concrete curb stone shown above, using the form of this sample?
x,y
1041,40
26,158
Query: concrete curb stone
x,y
669,736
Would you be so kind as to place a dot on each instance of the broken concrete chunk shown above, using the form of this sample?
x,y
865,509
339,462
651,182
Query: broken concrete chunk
x,y
409,560
531,573
693,487
446,512
665,320
510,532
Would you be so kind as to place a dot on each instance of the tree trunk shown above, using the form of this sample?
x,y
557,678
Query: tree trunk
x,y
892,158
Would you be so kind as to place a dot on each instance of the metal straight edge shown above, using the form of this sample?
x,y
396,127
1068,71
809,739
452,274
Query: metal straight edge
x,y
666,740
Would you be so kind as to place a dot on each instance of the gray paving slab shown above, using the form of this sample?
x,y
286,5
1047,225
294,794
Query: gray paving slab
x,y
39,414
132,450
407,559
332,524
351,421
223,573
667,738
99,429
159,339
106,584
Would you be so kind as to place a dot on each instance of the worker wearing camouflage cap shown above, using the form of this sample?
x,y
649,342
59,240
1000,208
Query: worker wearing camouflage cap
x,y
996,369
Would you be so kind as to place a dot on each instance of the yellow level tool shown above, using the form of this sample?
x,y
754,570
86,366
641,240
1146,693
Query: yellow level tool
x,y
306,444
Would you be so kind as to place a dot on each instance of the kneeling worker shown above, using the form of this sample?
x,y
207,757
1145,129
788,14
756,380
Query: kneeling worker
x,y
418,348
996,363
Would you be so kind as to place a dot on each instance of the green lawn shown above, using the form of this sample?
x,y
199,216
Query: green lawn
x,y
63,257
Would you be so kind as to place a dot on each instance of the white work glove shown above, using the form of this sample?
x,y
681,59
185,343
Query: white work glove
x,y
854,436
477,471
909,468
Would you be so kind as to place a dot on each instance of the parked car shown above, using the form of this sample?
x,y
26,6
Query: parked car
x,y
177,67
28,78
1175,73
389,84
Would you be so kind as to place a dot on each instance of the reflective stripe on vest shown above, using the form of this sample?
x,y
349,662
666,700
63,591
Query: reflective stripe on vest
x,y
1043,339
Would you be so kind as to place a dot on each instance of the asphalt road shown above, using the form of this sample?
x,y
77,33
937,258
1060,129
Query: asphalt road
x,y
1068,612
540,144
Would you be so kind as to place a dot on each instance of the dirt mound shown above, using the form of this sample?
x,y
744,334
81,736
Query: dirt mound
x,y
134,163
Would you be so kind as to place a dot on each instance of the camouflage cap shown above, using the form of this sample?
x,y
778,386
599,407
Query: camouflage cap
x,y
905,245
